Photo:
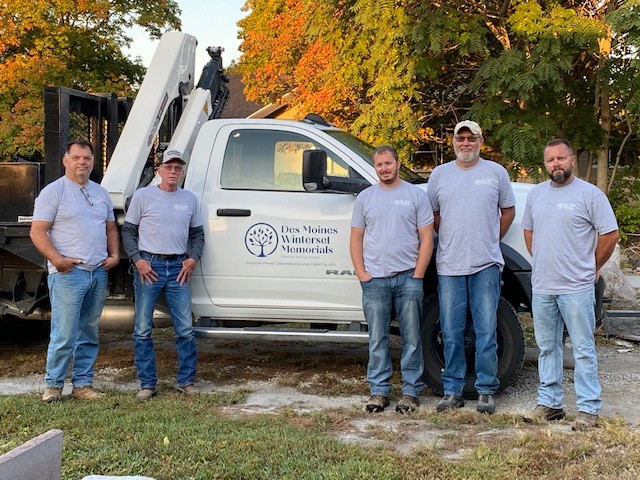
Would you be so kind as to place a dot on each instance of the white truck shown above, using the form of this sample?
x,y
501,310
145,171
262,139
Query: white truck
x,y
276,198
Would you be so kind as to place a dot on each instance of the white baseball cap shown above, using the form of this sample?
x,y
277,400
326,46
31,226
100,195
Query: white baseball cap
x,y
471,125
172,155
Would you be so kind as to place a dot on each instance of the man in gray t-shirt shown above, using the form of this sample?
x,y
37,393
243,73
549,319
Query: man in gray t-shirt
x,y
571,231
164,238
391,245
75,230
474,206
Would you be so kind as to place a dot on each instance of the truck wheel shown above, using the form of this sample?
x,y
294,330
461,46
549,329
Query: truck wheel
x,y
510,347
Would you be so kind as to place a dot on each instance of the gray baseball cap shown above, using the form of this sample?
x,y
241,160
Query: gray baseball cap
x,y
172,155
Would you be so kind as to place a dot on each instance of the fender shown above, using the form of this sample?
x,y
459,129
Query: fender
x,y
516,278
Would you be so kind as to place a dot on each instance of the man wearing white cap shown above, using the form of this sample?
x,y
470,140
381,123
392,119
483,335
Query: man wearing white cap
x,y
474,206
163,236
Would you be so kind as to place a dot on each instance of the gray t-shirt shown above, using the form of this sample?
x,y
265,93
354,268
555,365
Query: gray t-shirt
x,y
78,228
469,201
163,219
565,222
390,219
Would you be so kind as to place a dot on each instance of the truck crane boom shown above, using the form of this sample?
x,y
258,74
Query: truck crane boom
x,y
169,77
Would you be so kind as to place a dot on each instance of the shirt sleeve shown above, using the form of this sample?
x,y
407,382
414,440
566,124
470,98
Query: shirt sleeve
x,y
196,242
527,220
425,211
46,205
130,241
507,198
107,198
357,217
432,190
133,212
196,219
603,218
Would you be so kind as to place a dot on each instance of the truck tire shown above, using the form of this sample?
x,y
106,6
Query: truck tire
x,y
510,347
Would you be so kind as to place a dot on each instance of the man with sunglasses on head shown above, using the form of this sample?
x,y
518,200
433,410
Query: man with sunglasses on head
x,y
164,238
74,228
474,206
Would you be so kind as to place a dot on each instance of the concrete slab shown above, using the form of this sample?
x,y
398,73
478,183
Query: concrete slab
x,y
37,459
633,280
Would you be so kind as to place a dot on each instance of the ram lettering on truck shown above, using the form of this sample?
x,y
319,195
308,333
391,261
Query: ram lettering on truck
x,y
276,199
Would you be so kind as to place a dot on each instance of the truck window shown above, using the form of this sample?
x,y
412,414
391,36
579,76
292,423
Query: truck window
x,y
365,150
270,160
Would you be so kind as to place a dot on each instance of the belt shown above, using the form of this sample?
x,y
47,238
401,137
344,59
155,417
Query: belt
x,y
167,257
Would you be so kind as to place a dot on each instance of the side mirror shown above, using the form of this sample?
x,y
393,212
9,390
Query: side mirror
x,y
314,168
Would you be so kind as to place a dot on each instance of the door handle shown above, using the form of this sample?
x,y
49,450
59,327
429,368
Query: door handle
x,y
233,212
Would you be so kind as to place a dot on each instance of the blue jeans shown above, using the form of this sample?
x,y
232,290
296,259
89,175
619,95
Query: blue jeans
x,y
179,302
77,299
379,295
480,293
550,314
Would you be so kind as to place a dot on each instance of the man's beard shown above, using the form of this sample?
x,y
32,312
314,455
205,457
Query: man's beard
x,y
467,157
560,176
390,180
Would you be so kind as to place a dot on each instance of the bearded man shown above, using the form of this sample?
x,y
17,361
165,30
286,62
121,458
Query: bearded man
x,y
570,231
473,206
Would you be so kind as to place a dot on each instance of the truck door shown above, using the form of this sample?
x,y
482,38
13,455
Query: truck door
x,y
273,250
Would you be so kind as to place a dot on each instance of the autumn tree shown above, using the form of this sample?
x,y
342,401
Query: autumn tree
x,y
404,71
564,69
71,43
348,60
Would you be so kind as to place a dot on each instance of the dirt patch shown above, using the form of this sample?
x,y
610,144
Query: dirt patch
x,y
330,378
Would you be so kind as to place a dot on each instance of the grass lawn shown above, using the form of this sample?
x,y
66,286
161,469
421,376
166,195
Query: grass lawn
x,y
173,437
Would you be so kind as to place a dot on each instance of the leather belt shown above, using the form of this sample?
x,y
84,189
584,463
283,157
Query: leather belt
x,y
167,257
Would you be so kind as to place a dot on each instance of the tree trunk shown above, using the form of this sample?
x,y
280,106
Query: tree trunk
x,y
603,109
587,175
602,172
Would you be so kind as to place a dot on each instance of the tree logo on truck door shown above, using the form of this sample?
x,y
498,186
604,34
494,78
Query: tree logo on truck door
x,y
261,240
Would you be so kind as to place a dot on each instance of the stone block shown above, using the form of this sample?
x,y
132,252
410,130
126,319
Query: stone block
x,y
623,323
37,459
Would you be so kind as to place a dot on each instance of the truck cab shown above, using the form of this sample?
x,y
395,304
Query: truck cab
x,y
273,248
276,199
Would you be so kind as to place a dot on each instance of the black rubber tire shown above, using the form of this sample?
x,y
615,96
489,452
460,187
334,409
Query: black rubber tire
x,y
510,347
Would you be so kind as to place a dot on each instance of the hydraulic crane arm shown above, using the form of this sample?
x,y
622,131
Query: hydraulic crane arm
x,y
170,76
201,106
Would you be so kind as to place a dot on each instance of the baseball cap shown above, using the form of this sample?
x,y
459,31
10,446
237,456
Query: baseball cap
x,y
172,155
471,125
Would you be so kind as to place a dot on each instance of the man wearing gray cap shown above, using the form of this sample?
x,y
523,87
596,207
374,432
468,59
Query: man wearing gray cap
x,y
474,206
163,236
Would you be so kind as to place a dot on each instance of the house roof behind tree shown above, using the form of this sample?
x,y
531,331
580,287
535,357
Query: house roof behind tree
x,y
237,105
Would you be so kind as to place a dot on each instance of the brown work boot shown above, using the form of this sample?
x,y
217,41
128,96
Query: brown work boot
x,y
377,403
543,413
189,390
52,394
86,393
407,404
584,421
146,394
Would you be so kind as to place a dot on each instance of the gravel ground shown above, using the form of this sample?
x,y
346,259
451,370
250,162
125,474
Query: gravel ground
x,y
263,368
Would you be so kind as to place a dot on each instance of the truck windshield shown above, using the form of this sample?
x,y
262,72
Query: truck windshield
x,y
365,150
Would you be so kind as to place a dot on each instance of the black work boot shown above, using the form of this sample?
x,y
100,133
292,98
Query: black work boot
x,y
450,402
